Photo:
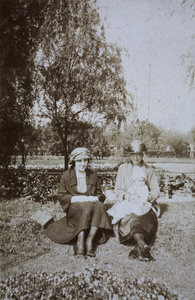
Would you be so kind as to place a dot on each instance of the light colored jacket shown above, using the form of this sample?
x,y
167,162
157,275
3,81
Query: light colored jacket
x,y
124,180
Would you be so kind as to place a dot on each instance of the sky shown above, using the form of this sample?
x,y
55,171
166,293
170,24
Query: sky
x,y
159,36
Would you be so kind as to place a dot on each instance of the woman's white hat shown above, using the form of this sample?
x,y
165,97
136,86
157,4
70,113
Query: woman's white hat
x,y
79,153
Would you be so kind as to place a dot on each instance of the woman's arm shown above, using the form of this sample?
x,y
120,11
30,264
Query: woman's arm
x,y
154,190
120,190
64,196
101,197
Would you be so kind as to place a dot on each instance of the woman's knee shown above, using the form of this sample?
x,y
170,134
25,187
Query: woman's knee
x,y
79,209
87,209
99,206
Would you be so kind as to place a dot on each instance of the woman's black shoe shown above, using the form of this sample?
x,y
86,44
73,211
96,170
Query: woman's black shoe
x,y
134,254
144,249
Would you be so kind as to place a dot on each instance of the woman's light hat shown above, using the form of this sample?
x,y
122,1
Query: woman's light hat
x,y
137,146
79,153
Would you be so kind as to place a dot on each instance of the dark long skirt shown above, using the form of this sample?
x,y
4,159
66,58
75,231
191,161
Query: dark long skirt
x,y
82,216
145,224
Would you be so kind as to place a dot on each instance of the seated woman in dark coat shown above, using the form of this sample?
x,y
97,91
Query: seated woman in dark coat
x,y
86,222
139,229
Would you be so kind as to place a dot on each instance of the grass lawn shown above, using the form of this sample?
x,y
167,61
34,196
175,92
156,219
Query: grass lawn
x,y
25,248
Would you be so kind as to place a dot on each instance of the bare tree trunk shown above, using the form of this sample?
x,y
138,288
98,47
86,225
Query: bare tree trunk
x,y
64,138
65,159
23,159
66,149
23,152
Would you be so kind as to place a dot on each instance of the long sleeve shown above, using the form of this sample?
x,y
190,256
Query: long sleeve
x,y
64,196
100,195
153,184
120,188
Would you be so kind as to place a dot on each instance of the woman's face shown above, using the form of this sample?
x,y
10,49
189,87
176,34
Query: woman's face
x,y
81,164
136,157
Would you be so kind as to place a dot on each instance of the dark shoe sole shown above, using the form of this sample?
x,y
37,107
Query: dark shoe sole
x,y
91,253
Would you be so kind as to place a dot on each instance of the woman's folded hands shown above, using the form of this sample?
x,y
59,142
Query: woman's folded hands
x,y
84,199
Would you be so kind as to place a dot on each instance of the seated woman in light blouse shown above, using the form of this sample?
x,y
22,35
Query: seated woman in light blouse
x,y
134,228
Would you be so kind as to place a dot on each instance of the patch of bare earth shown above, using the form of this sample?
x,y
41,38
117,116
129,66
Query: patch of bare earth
x,y
25,248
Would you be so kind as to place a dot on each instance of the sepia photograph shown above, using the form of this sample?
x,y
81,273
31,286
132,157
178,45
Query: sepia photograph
x,y
97,149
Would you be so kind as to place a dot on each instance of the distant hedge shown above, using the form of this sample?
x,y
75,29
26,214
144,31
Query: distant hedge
x,y
41,184
157,153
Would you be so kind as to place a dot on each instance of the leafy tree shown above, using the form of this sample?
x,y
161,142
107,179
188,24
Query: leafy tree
x,y
83,134
80,136
149,133
78,73
191,135
18,30
142,130
177,142
188,60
